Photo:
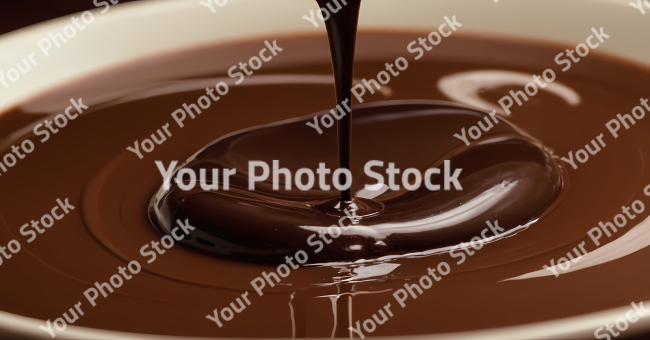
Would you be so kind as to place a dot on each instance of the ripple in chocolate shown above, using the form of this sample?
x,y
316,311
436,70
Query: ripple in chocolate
x,y
507,178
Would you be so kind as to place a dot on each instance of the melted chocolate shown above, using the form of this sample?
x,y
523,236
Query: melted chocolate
x,y
111,189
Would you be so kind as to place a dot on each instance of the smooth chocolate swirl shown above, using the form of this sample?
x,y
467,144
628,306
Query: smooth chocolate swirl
x,y
506,176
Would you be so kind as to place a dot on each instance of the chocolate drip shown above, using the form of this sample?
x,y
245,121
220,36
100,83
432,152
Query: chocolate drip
x,y
342,34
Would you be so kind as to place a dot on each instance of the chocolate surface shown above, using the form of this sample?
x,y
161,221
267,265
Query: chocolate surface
x,y
111,189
